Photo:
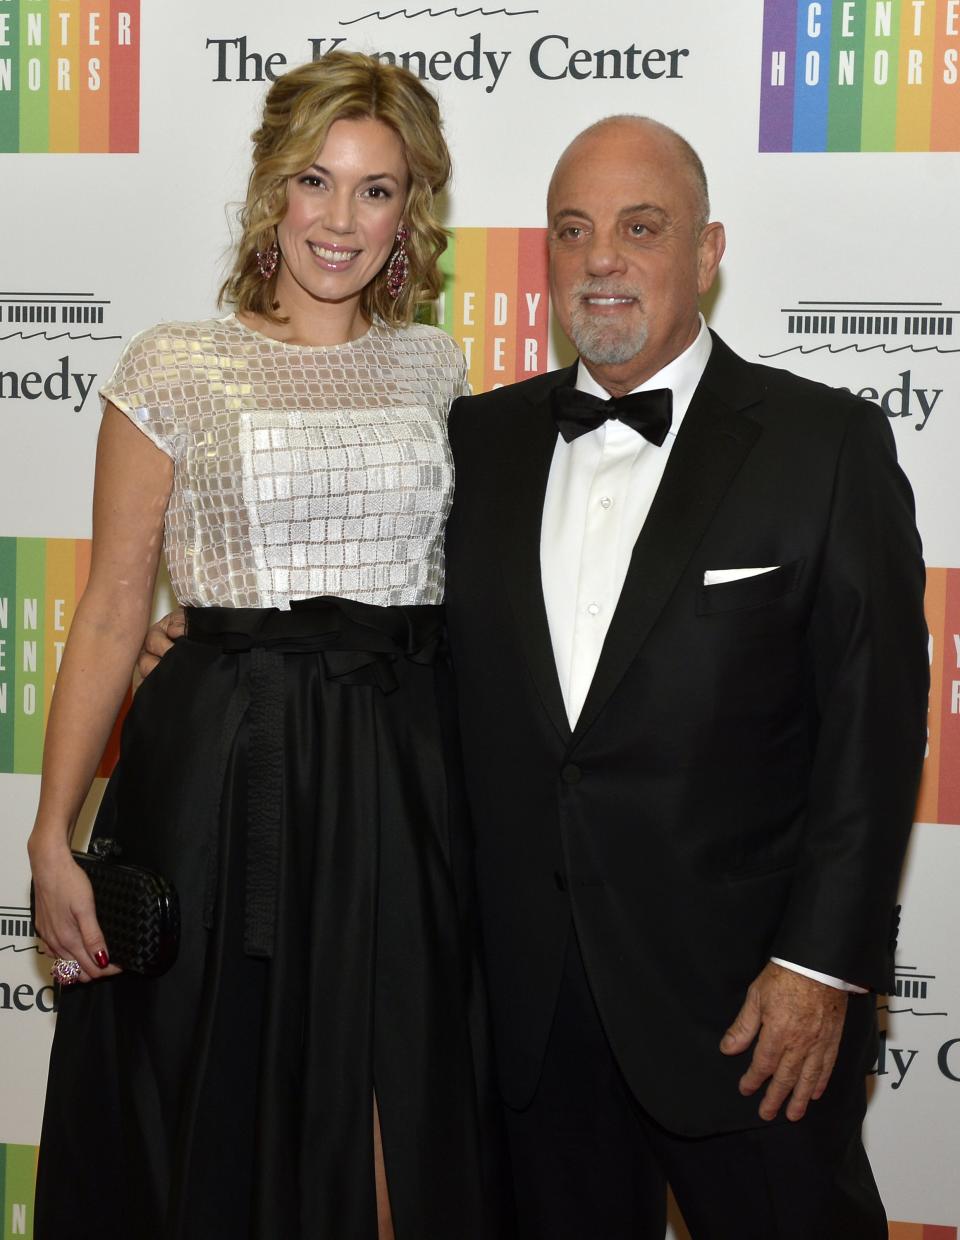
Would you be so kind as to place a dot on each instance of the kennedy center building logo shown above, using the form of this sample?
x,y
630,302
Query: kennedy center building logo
x,y
41,580
860,75
70,75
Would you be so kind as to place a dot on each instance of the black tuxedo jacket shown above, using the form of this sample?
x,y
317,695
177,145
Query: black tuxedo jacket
x,y
742,778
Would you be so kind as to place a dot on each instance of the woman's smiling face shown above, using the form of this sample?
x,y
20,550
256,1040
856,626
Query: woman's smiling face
x,y
342,214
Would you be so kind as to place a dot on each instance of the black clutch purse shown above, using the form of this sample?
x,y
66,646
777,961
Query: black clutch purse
x,y
138,910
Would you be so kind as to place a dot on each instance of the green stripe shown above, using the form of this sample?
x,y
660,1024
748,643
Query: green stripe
x,y
448,267
879,123
34,103
843,123
8,604
9,101
28,655
16,1193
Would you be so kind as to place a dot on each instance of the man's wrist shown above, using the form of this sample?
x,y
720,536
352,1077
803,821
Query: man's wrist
x,y
836,982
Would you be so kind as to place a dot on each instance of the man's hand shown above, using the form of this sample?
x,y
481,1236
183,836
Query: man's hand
x,y
160,637
800,1022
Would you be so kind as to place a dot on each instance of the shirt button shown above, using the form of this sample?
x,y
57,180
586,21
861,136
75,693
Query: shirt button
x,y
606,502
593,609
570,774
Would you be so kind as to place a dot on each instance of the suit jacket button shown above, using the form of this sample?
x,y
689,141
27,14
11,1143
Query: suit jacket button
x,y
570,774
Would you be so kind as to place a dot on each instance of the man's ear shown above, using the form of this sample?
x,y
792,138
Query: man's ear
x,y
712,243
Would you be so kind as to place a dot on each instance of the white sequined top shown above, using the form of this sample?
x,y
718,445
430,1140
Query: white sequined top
x,y
298,471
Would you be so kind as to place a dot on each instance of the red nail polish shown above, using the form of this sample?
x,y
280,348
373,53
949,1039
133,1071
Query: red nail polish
x,y
102,958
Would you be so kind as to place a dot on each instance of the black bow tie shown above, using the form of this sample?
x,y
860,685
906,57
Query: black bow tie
x,y
649,413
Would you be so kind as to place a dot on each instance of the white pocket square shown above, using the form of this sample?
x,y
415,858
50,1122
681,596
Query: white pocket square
x,y
718,576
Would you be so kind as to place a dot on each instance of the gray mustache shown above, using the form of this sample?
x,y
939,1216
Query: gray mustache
x,y
590,289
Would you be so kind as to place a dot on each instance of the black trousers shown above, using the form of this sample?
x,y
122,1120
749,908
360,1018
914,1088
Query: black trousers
x,y
590,1164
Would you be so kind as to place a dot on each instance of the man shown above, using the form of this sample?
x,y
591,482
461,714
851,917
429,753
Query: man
x,y
692,675
693,678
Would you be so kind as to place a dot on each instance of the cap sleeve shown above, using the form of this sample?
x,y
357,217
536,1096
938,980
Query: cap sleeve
x,y
143,383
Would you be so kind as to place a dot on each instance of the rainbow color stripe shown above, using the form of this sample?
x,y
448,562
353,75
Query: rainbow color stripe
x,y
496,304
860,75
939,799
41,580
18,1173
921,1231
70,75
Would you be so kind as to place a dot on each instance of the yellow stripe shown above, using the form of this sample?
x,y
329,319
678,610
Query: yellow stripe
x,y
915,92
64,33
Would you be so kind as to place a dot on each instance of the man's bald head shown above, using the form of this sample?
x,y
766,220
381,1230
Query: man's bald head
x,y
675,146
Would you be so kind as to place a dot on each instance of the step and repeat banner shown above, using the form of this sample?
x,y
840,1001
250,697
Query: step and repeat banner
x,y
830,132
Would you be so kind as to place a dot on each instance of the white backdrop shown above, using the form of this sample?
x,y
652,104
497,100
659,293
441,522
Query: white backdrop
x,y
841,265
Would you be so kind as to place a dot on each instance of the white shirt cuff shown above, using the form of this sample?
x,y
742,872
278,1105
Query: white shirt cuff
x,y
837,982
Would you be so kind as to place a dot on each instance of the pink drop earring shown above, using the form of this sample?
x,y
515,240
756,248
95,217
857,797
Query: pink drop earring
x,y
398,268
268,259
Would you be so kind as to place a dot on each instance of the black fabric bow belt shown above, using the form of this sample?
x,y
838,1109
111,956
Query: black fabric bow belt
x,y
359,643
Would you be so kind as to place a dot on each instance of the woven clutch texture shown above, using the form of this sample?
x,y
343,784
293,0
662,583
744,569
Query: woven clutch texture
x,y
138,911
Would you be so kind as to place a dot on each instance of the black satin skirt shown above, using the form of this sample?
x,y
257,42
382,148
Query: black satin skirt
x,y
294,775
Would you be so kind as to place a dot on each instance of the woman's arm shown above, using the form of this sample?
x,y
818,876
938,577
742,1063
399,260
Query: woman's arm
x,y
132,487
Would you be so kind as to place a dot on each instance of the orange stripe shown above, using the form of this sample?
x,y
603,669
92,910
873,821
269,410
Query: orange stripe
x,y
469,296
945,126
64,76
94,76
915,98
500,310
935,603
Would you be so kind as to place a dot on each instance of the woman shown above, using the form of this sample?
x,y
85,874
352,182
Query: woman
x,y
308,1067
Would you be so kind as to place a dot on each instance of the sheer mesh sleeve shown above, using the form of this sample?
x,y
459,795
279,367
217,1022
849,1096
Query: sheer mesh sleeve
x,y
141,385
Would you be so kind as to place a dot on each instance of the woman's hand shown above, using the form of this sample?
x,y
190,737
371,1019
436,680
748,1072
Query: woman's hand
x,y
159,639
65,917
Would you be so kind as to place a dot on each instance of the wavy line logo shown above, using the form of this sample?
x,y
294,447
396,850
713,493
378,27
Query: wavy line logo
x,y
912,994
496,302
41,580
70,75
860,75
825,326
53,316
384,15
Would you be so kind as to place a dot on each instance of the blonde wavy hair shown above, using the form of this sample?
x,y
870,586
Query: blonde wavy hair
x,y
298,111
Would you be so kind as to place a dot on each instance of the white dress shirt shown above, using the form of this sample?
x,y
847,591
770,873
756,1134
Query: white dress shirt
x,y
599,491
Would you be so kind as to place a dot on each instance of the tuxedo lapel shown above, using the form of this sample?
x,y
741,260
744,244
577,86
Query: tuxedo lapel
x,y
712,444
529,446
